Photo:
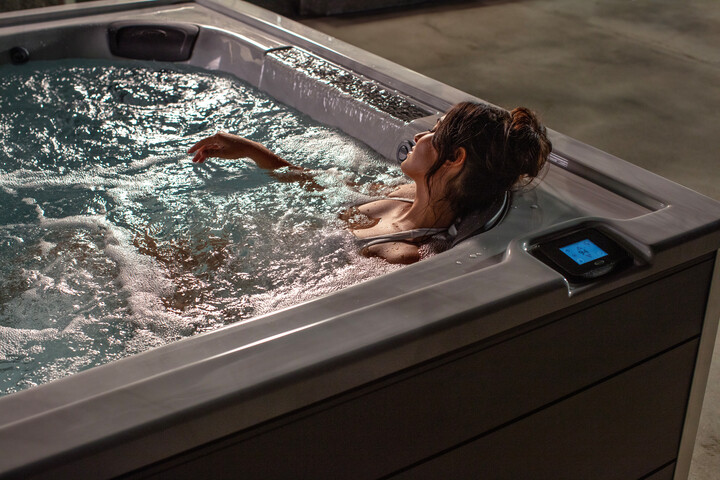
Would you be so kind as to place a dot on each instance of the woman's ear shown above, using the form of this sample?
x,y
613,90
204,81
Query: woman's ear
x,y
460,156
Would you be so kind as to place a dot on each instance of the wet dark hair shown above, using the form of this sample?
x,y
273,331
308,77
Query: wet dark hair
x,y
502,149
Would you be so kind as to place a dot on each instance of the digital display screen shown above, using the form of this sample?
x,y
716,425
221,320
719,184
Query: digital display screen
x,y
583,251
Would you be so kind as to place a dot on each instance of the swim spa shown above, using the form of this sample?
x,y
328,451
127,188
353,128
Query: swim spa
x,y
318,389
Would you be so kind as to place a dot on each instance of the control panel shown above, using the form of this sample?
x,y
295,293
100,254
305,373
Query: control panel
x,y
582,255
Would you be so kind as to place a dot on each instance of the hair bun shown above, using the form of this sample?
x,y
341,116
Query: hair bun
x,y
522,116
528,141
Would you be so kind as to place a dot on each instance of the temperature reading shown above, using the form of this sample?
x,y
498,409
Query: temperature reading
x,y
582,256
583,251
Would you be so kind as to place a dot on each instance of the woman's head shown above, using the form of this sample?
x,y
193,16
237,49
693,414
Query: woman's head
x,y
498,150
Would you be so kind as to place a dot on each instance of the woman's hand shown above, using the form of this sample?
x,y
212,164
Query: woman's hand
x,y
220,145
225,145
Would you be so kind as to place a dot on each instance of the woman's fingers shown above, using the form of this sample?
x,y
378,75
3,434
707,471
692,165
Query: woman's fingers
x,y
203,152
199,157
207,147
201,143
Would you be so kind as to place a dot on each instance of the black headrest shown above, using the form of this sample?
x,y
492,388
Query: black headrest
x,y
482,220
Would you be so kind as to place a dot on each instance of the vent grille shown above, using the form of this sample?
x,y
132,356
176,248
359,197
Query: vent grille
x,y
366,91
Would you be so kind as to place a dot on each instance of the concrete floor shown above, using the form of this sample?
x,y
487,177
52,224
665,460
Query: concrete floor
x,y
638,79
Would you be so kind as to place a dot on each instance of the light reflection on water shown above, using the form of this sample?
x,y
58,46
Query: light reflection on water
x,y
113,242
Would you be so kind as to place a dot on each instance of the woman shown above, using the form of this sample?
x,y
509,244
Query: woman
x,y
463,171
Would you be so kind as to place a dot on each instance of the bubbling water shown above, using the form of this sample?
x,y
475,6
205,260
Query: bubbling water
x,y
112,242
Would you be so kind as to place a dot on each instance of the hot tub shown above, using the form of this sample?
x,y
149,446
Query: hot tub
x,y
502,357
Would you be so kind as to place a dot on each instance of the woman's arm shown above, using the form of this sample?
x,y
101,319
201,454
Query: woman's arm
x,y
225,145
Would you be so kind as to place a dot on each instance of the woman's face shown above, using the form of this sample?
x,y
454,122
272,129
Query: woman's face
x,y
422,156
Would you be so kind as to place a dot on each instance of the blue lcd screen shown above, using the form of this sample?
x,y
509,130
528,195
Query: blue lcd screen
x,y
583,251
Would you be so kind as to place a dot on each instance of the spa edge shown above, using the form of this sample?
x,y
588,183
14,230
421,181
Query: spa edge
x,y
512,366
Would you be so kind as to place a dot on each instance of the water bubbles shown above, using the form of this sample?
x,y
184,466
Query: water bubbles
x,y
119,244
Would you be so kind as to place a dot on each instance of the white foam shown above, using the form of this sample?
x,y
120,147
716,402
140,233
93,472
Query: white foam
x,y
138,277
77,326
15,238
145,163
95,179
144,283
14,341
45,247
309,280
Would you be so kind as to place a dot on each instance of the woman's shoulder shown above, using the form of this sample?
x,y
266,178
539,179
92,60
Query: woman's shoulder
x,y
403,191
383,207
